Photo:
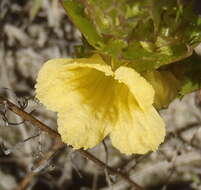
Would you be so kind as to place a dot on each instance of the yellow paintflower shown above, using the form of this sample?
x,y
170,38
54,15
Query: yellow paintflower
x,y
93,101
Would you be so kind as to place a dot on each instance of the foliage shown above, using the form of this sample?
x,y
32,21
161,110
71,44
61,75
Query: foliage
x,y
145,34
190,74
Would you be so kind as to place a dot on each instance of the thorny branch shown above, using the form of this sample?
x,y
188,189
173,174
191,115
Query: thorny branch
x,y
28,117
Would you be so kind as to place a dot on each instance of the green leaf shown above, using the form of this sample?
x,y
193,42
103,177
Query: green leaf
x,y
146,34
141,59
75,11
191,76
189,86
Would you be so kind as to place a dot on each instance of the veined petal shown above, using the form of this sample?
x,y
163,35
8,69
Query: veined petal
x,y
92,101
56,79
84,95
98,111
136,131
139,131
90,113
140,88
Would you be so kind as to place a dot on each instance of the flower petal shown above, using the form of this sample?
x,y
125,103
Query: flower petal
x,y
85,122
92,101
137,131
89,115
140,88
50,83
84,95
56,78
80,128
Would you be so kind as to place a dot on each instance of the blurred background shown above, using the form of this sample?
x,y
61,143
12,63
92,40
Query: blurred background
x,y
31,32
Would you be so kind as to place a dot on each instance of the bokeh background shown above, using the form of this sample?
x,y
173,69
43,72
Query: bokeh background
x,y
31,32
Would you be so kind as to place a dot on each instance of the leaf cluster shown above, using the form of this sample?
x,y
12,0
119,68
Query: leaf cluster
x,y
145,34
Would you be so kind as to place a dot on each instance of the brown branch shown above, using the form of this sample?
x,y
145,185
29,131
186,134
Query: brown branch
x,y
110,169
28,117
40,164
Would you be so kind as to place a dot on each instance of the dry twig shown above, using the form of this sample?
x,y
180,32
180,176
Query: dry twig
x,y
40,165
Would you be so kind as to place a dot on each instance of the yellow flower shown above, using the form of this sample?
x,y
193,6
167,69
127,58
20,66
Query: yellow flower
x,y
93,101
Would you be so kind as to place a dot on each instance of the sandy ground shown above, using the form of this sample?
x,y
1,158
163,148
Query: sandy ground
x,y
26,42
